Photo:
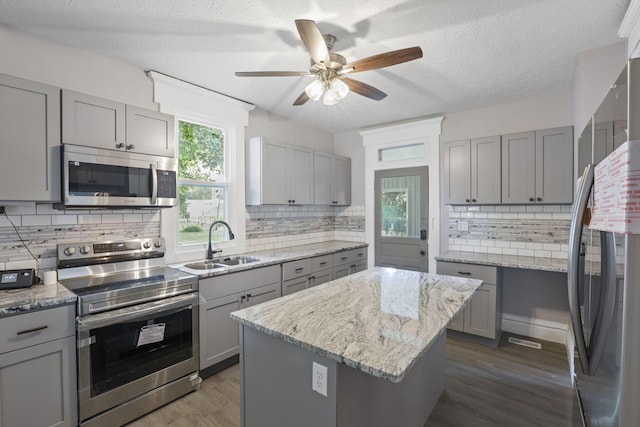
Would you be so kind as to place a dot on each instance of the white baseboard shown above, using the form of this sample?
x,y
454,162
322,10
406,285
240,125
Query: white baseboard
x,y
535,328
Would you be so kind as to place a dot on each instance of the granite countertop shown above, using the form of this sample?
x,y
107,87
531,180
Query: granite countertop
x,y
512,261
14,301
380,321
274,256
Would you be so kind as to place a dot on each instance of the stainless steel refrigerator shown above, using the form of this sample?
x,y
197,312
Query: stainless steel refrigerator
x,y
604,273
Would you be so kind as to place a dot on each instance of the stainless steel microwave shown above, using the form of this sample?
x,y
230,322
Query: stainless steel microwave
x,y
99,178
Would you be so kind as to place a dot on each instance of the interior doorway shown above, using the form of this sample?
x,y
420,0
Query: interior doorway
x,y
402,218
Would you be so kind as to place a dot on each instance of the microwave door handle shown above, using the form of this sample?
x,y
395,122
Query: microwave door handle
x,y
154,184
173,304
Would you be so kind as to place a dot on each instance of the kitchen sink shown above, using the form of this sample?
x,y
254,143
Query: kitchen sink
x,y
212,264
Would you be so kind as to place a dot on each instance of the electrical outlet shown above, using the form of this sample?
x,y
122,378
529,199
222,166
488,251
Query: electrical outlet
x,y
463,225
319,378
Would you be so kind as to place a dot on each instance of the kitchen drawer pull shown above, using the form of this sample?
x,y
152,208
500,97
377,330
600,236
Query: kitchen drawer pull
x,y
28,331
464,273
323,263
299,269
344,258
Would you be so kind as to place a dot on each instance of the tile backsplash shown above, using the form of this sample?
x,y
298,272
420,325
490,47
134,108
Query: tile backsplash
x,y
272,227
42,228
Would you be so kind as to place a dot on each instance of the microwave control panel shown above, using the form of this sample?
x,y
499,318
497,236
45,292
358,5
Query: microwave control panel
x,y
167,184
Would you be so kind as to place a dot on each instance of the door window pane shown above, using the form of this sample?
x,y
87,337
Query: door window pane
x,y
405,152
400,206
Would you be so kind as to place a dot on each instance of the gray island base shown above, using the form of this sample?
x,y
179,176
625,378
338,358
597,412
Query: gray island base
x,y
364,350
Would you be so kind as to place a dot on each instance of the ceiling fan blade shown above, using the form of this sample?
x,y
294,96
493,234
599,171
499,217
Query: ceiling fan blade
x,y
301,99
313,41
383,60
272,73
364,89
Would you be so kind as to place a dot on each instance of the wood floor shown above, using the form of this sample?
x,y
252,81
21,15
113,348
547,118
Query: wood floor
x,y
509,386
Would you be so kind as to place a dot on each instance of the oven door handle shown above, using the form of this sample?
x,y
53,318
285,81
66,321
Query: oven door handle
x,y
126,314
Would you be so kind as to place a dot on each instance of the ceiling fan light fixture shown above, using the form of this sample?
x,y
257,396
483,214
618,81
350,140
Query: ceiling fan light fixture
x,y
315,89
339,87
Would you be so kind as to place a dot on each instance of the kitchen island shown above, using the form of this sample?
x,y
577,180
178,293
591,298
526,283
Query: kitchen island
x,y
364,350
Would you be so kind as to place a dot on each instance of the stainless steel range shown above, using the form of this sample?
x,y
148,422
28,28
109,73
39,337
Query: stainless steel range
x,y
137,328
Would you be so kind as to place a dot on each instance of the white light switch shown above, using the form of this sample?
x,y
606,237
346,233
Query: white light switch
x,y
319,378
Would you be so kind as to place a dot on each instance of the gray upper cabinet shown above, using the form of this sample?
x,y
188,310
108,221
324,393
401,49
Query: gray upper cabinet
x,y
332,179
278,173
102,123
30,140
472,171
537,167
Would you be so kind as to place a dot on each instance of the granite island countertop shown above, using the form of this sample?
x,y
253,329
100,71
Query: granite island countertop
x,y
15,301
379,321
275,256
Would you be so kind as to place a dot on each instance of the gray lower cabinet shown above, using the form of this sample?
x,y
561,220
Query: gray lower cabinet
x,y
305,273
482,315
221,295
38,368
349,262
30,141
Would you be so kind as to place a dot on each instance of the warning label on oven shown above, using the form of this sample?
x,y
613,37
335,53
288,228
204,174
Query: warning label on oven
x,y
150,334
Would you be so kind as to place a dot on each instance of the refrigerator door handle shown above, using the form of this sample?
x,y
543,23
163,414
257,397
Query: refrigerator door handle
x,y
602,322
573,274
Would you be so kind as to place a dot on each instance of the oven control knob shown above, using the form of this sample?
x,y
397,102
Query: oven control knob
x,y
85,249
157,244
70,251
146,245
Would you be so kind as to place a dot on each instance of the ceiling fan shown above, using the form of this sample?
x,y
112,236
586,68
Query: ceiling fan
x,y
331,69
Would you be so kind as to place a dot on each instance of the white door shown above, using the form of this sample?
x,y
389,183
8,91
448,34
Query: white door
x,y
401,218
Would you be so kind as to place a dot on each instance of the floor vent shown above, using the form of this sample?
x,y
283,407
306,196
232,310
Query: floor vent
x,y
525,343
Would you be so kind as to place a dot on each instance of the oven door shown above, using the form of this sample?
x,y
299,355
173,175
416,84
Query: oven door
x,y
127,352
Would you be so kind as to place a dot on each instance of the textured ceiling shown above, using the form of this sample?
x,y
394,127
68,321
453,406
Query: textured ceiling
x,y
476,52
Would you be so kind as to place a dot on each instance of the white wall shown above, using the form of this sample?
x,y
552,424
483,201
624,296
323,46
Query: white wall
x,y
596,71
540,112
34,58
264,123
349,144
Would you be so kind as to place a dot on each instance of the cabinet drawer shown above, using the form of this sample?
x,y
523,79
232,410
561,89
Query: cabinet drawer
x,y
320,263
486,273
293,269
36,327
227,284
349,257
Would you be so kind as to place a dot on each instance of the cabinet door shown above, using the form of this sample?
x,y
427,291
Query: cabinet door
x,y
38,385
30,141
341,181
341,271
294,285
262,294
320,277
92,121
485,170
274,173
518,168
554,165
322,178
457,165
150,132
300,179
218,332
457,322
480,313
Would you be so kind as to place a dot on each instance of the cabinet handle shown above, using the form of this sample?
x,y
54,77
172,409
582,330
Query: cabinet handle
x,y
248,296
131,147
473,200
467,200
299,270
293,201
464,273
323,263
28,331
531,199
242,297
120,145
539,199
344,258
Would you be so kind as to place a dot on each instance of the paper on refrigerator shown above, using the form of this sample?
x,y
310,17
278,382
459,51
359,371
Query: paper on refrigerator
x,y
616,191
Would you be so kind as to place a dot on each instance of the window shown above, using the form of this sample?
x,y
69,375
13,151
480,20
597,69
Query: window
x,y
203,183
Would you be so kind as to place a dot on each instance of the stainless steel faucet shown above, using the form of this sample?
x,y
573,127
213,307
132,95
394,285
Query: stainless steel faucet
x,y
210,252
